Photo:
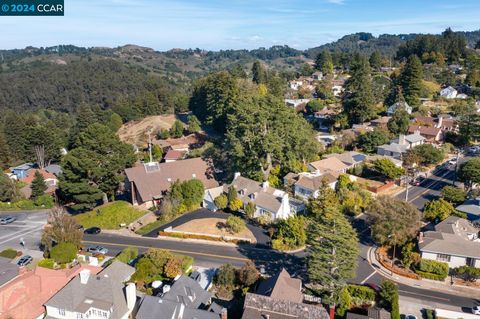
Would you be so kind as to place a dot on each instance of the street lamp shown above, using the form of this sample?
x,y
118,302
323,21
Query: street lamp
x,y
393,257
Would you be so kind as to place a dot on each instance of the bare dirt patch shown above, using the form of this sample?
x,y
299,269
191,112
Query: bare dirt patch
x,y
136,132
212,226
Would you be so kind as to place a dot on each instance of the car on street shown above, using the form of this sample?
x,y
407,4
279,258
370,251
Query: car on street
x,y
97,250
476,310
24,260
417,181
7,220
452,162
92,230
410,316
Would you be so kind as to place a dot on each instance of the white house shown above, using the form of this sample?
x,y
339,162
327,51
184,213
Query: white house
x,y
296,102
295,84
270,202
399,105
101,296
307,185
449,93
454,241
399,146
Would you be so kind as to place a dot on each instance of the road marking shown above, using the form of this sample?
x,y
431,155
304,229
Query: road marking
x,y
173,250
428,189
369,276
19,235
422,295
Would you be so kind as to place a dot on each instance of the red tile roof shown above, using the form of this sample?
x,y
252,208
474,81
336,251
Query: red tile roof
x,y
31,175
24,296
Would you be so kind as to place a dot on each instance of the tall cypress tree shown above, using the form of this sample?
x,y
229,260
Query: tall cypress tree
x,y
259,73
324,62
359,102
38,185
411,80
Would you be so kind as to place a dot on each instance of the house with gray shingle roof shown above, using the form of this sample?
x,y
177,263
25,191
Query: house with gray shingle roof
x,y
104,295
397,147
269,202
306,185
454,241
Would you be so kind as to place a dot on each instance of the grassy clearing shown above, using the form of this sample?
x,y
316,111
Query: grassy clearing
x,y
110,216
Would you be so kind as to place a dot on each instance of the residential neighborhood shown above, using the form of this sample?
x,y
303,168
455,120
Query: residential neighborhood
x,y
240,160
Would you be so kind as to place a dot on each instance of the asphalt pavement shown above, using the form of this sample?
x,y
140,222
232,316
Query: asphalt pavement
x,y
27,226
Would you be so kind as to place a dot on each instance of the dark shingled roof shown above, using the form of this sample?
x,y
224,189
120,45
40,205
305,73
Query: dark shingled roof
x,y
282,286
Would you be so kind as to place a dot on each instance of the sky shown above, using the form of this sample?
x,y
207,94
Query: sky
x,y
233,24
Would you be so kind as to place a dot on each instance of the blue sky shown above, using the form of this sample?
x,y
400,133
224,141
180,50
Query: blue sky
x,y
233,24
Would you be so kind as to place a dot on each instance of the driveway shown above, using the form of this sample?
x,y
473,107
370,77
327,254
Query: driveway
x,y
260,234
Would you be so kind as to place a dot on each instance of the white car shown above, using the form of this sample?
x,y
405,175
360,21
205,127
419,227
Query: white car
x,y
97,250
452,162
476,310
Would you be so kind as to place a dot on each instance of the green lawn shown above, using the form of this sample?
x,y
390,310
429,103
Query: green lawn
x,y
110,216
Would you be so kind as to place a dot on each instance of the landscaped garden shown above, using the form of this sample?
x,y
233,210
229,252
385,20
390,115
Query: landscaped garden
x,y
110,216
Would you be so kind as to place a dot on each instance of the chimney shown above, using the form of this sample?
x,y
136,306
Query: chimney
x,y
84,275
131,294
440,122
265,185
420,237
401,139
332,312
224,313
237,174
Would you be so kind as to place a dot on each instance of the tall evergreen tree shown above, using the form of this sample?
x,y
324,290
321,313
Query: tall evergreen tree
x,y
411,80
38,185
358,101
332,251
375,60
4,151
259,73
324,62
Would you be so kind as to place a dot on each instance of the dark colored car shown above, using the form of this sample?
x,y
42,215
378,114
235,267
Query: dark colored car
x,y
417,181
373,286
92,230
24,260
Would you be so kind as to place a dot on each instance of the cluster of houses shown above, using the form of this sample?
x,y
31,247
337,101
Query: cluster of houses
x,y
25,173
86,291
178,148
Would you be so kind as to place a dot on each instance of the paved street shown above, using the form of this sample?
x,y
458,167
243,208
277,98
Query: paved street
x,y
28,226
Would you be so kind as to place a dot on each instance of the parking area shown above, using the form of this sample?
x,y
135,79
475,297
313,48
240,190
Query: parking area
x,y
27,226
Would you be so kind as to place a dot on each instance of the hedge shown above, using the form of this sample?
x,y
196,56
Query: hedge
x,y
437,270
46,263
429,275
9,253
361,294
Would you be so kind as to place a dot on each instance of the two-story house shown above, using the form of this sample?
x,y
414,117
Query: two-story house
x,y
102,296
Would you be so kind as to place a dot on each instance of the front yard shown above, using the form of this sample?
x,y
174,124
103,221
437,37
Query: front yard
x,y
110,216
213,226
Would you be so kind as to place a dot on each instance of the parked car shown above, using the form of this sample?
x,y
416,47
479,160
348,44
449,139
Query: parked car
x,y
24,260
92,230
97,250
373,286
7,220
417,181
476,310
453,161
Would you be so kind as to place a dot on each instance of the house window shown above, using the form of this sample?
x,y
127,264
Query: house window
x,y
443,257
79,315
61,312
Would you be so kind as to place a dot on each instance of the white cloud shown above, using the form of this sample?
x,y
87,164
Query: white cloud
x,y
336,1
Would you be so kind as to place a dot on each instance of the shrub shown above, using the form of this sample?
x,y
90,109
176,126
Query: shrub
x,y
63,253
187,263
225,276
250,210
127,255
9,253
221,201
248,274
429,313
432,269
361,294
173,267
291,232
46,263
235,224
235,204
389,298
44,201
467,273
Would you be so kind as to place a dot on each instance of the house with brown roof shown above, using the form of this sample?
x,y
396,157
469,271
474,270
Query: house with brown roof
x,y
149,182
350,158
173,155
280,297
269,202
431,134
331,164
50,180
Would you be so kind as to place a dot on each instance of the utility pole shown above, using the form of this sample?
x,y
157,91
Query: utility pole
x,y
456,167
150,146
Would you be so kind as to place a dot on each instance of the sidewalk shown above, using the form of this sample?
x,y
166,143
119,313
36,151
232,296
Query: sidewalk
x,y
440,286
